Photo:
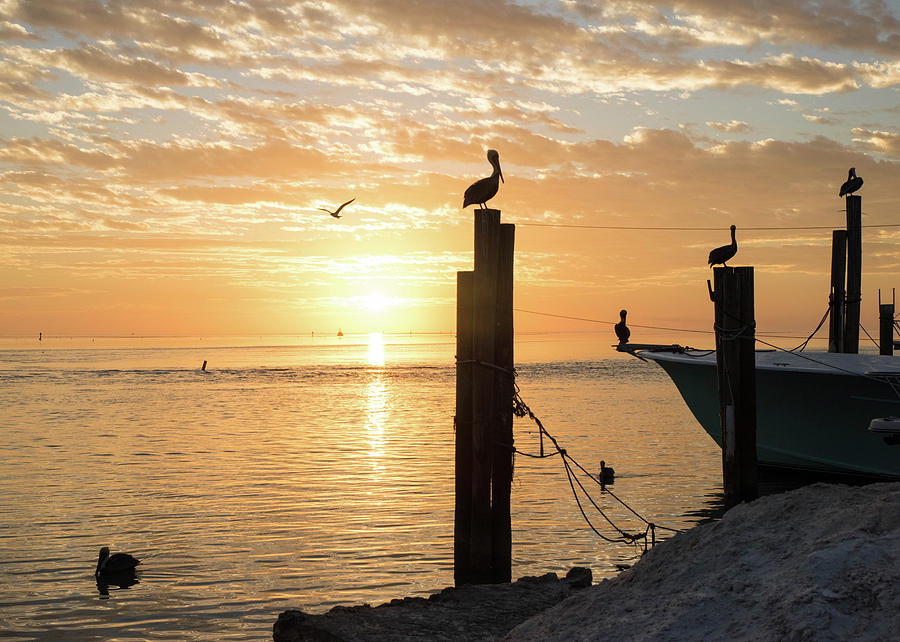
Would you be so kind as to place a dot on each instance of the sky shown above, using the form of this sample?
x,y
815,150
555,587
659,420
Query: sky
x,y
162,163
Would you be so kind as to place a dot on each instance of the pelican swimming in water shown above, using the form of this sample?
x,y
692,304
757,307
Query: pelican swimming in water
x,y
607,473
852,183
724,253
116,563
337,213
622,330
480,192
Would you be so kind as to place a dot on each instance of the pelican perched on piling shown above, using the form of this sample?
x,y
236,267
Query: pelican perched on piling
x,y
622,330
724,253
480,192
852,183
116,563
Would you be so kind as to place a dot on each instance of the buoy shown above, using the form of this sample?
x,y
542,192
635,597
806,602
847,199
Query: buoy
x,y
203,368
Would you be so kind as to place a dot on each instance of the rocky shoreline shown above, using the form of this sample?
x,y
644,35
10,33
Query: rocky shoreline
x,y
818,563
482,612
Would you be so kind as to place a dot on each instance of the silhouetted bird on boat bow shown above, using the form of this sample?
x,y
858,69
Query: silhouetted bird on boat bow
x,y
117,563
852,183
724,253
622,330
480,192
337,213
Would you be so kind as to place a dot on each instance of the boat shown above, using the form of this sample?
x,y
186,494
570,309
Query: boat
x,y
814,409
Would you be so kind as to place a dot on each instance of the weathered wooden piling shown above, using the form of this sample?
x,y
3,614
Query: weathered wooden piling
x,y
735,327
484,409
484,393
502,468
838,296
462,535
854,273
886,328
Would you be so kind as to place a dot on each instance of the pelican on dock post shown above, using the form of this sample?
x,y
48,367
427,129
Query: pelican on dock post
x,y
852,183
622,330
481,191
724,253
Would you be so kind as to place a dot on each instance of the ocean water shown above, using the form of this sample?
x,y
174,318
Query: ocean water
x,y
301,472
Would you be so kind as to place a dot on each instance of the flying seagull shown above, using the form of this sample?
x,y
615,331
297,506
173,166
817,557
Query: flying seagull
x,y
116,563
337,213
724,253
852,184
622,330
481,191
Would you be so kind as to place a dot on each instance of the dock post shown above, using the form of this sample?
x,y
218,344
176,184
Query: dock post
x,y
462,524
854,273
837,299
502,469
485,385
735,328
886,328
484,407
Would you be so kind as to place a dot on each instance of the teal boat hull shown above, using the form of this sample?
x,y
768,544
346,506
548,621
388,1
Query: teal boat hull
x,y
809,416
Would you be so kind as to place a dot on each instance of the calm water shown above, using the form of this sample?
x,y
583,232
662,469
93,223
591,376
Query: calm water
x,y
299,473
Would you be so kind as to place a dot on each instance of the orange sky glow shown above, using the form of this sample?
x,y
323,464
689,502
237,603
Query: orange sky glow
x,y
162,163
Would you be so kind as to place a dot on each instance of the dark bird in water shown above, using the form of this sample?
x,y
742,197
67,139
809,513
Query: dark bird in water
x,y
622,330
852,183
607,473
116,563
724,253
337,213
480,192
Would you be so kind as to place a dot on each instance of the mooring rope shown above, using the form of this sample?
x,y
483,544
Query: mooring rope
x,y
521,409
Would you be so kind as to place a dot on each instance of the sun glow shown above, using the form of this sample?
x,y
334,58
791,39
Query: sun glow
x,y
375,302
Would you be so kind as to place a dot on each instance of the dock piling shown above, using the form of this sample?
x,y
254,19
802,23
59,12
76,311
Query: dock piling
x,y
837,300
854,273
484,394
885,328
735,327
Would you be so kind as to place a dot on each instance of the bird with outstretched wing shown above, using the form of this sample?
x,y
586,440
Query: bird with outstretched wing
x,y
337,213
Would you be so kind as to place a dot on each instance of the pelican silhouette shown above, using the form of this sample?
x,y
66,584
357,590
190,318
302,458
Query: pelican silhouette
x,y
337,213
607,473
622,330
724,253
116,563
481,191
852,183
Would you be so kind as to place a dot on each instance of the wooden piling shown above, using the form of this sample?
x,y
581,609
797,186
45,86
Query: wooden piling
x,y
501,471
736,372
482,550
837,300
886,328
462,535
484,410
854,273
203,367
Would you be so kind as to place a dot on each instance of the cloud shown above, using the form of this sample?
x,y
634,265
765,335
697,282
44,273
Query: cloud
x,y
881,142
731,127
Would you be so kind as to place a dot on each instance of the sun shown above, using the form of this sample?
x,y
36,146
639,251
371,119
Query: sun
x,y
375,302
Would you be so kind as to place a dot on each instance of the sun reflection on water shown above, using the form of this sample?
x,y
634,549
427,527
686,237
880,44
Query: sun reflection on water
x,y
376,418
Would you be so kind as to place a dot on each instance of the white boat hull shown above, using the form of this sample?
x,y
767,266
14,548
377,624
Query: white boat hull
x,y
813,409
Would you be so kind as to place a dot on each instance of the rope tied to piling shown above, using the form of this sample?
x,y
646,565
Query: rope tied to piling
x,y
521,409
